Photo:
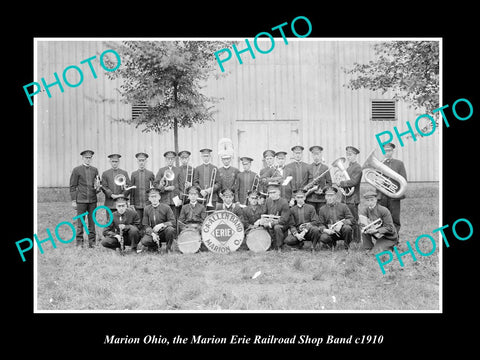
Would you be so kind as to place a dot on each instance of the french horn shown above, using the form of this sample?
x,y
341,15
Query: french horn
x,y
380,176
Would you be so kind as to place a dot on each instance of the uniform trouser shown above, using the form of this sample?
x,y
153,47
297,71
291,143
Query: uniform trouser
x,y
130,238
166,235
81,208
381,244
278,233
356,229
393,205
345,234
312,235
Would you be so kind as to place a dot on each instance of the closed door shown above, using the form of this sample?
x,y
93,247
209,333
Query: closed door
x,y
254,137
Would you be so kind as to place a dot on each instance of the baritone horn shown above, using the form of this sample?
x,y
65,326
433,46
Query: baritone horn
x,y
380,176
342,174
121,180
168,175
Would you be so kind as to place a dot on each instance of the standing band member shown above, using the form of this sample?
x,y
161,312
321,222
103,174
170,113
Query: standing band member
x,y
276,206
304,222
354,170
143,180
158,221
316,168
245,180
393,205
167,187
383,231
280,173
110,189
124,227
203,175
335,220
226,175
83,193
267,171
298,170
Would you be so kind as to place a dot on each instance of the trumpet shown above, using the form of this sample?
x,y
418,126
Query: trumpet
x,y
374,170
374,224
168,175
332,226
121,180
342,174
268,219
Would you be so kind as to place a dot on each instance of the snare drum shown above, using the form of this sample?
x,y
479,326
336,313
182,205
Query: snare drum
x,y
189,241
259,239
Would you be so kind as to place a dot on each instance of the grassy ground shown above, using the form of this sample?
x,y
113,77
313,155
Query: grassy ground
x,y
69,278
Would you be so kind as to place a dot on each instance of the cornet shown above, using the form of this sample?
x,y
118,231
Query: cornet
x,y
121,180
380,176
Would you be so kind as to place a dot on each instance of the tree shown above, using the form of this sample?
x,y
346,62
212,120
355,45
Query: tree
x,y
167,77
409,68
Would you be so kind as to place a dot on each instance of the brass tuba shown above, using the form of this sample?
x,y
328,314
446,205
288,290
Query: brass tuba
x,y
342,174
380,176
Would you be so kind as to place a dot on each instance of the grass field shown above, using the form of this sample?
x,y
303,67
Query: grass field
x,y
70,278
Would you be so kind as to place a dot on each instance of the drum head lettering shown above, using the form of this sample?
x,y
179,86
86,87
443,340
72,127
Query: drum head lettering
x,y
222,232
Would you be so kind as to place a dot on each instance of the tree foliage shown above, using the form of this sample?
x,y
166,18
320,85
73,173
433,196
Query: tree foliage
x,y
408,68
167,76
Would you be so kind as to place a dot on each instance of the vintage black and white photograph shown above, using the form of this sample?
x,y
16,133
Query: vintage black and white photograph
x,y
274,174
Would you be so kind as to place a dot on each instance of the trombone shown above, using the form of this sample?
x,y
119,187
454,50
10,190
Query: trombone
x,y
255,184
188,180
210,186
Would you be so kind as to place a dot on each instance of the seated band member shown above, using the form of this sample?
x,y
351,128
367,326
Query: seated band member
x,y
338,214
383,231
252,213
158,221
192,214
276,206
126,224
304,222
227,196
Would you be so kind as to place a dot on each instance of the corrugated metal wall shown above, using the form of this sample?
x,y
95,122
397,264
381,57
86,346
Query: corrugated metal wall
x,y
300,81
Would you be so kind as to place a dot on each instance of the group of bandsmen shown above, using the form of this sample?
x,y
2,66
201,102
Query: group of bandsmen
x,y
149,208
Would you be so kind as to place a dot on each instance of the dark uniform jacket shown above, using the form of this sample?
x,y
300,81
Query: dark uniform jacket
x,y
143,180
315,170
299,172
380,212
233,208
192,214
129,218
243,185
156,215
302,215
253,213
82,182
182,178
202,177
109,187
278,207
268,174
398,167
166,196
226,179
354,170
331,213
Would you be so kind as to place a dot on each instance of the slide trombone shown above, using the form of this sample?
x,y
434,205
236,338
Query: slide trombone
x,y
211,186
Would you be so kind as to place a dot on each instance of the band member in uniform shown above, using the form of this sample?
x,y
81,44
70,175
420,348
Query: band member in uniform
x,y
193,214
304,222
253,211
226,175
124,227
393,205
354,171
244,181
143,180
83,193
168,188
280,173
335,220
277,206
298,169
110,189
228,204
184,178
267,171
158,221
382,228
316,168
202,176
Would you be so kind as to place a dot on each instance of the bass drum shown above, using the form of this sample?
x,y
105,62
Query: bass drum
x,y
258,239
189,241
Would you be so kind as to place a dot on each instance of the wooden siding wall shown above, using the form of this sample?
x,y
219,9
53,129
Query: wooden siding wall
x,y
300,81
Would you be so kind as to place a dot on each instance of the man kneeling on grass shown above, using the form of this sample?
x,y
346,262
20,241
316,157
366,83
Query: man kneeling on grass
x,y
158,220
124,229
